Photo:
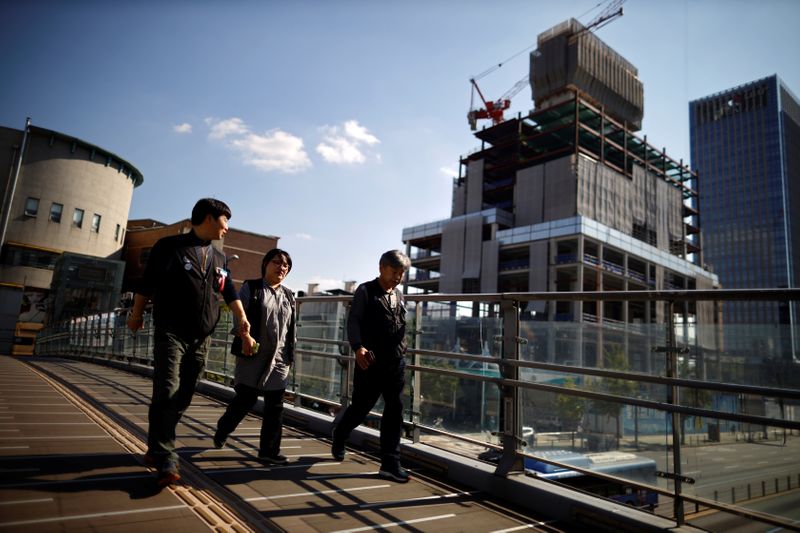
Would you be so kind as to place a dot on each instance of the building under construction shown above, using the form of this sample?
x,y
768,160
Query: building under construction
x,y
569,198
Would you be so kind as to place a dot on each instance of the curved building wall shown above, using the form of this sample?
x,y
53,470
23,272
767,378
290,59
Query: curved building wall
x,y
61,170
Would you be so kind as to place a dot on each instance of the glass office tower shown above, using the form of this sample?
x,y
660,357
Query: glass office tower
x,y
745,146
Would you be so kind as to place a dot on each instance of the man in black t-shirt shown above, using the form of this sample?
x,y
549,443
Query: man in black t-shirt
x,y
184,277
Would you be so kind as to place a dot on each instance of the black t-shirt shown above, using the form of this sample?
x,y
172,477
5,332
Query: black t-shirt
x,y
184,277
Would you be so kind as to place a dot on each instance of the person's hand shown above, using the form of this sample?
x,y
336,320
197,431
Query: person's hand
x,y
364,358
244,327
135,323
248,345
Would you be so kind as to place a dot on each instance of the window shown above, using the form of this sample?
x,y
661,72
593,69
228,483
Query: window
x,y
77,218
31,207
116,233
22,256
144,255
55,212
96,223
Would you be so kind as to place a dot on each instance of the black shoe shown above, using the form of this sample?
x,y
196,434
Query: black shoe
x,y
151,460
337,450
397,473
219,442
276,459
168,474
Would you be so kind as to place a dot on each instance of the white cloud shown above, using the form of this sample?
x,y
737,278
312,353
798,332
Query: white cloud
x,y
225,128
182,128
339,150
344,145
359,133
302,236
273,150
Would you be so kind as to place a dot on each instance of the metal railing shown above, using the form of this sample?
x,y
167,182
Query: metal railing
x,y
524,370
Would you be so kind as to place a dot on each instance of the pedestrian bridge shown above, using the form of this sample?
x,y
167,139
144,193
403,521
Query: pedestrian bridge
x,y
483,374
72,435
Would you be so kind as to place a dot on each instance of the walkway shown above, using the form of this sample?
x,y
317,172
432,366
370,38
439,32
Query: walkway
x,y
71,443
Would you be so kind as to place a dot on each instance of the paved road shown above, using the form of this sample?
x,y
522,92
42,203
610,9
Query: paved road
x,y
727,469
784,505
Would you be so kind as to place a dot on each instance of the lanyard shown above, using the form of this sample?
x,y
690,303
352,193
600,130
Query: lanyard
x,y
203,256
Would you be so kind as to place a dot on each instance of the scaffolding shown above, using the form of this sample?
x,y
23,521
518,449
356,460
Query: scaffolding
x,y
579,126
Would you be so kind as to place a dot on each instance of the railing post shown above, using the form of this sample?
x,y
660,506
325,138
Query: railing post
x,y
672,399
147,336
107,334
347,367
511,415
416,399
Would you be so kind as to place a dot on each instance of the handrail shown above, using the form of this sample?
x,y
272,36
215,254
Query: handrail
x,y
793,394
592,395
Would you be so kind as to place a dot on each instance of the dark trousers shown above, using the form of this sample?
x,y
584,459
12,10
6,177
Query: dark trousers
x,y
385,377
177,365
271,421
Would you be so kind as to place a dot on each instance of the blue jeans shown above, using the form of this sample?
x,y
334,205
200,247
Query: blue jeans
x,y
177,365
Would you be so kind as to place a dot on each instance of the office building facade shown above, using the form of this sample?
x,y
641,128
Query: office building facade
x,y
745,144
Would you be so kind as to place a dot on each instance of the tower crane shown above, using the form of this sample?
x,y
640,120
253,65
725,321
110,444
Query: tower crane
x,y
494,109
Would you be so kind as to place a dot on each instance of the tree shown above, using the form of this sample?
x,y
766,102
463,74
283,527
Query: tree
x,y
615,359
570,409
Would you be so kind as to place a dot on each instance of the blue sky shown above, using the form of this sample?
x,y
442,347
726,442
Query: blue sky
x,y
334,124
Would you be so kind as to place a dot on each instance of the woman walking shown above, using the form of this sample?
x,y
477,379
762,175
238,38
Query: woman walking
x,y
264,355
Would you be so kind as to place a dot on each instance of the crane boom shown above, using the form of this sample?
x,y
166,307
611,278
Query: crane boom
x,y
494,109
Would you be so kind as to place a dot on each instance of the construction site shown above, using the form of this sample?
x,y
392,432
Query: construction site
x,y
569,197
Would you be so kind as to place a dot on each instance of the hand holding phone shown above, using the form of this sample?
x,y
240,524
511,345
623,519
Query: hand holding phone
x,y
364,358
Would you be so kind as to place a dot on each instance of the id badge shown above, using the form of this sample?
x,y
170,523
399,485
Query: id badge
x,y
220,275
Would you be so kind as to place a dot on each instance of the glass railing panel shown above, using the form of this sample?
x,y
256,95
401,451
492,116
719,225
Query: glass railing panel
x,y
603,435
751,354
751,466
220,363
599,436
737,461
321,339
459,396
597,346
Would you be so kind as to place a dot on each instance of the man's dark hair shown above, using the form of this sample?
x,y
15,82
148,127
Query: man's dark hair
x,y
209,206
269,256
396,259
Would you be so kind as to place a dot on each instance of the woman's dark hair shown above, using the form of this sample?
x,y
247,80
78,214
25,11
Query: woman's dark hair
x,y
269,256
209,206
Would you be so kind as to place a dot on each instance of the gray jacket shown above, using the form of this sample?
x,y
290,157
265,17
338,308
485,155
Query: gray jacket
x,y
272,323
